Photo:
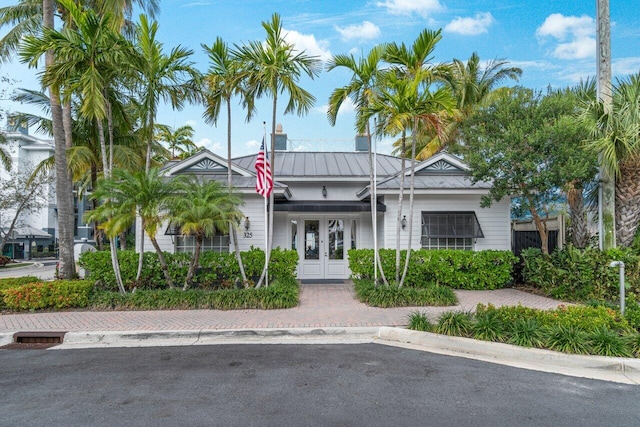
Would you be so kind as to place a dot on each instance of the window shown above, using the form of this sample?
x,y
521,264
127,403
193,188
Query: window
x,y
217,243
450,230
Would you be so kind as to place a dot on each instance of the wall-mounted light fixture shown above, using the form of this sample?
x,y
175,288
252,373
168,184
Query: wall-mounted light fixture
x,y
247,224
403,222
324,191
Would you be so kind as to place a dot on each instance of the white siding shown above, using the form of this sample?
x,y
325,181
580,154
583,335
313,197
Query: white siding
x,y
494,221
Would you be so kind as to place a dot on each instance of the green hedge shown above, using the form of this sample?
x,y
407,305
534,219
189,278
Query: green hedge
x,y
581,274
42,295
219,269
282,293
455,268
12,282
393,296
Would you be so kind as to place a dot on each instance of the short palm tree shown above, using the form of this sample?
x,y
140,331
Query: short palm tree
x,y
127,195
203,208
274,67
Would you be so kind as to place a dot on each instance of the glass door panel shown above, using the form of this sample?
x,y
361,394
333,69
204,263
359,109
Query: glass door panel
x,y
335,227
312,239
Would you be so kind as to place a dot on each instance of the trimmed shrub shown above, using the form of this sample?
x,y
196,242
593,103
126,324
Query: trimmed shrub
x,y
454,268
393,296
58,294
216,270
455,323
4,260
12,282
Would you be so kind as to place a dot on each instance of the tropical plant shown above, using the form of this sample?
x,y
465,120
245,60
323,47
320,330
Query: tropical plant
x,y
158,77
225,79
180,139
615,138
203,208
5,157
128,195
274,67
361,90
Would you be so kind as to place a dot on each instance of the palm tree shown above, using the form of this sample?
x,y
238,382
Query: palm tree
x,y
203,208
407,105
128,195
224,80
615,137
180,139
159,77
273,67
5,157
362,91
472,86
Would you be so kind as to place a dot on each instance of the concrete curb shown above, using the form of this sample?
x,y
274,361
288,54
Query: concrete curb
x,y
618,369
210,337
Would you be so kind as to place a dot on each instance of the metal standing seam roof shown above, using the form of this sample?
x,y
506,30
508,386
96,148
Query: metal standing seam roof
x,y
436,181
325,164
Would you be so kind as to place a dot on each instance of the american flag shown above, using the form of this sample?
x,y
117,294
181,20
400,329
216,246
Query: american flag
x,y
264,184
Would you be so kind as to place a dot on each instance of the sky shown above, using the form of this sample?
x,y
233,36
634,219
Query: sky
x,y
552,41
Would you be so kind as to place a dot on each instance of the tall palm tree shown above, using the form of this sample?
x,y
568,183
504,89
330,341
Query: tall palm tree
x,y
365,74
159,77
274,67
224,80
202,208
180,139
5,157
615,137
86,64
128,195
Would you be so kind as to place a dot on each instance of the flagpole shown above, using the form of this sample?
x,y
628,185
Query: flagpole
x,y
266,210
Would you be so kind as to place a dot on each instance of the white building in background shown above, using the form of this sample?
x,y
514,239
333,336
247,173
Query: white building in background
x,y
35,229
322,206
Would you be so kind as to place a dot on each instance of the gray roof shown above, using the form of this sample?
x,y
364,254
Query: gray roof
x,y
435,181
325,164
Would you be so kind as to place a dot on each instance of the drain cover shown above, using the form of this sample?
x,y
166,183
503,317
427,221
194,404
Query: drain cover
x,y
35,340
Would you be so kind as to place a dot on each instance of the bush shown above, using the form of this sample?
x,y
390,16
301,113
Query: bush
x,y
454,268
581,274
419,322
40,295
12,282
455,323
393,296
4,260
214,269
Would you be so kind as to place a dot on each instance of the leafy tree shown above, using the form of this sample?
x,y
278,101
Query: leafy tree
x,y
527,145
202,208
615,137
361,89
21,194
274,67
180,139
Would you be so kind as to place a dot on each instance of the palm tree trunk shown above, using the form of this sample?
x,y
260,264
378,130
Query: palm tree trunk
x,y
541,226
68,124
580,231
232,229
64,184
163,262
141,254
374,216
194,263
400,199
628,201
410,222
116,265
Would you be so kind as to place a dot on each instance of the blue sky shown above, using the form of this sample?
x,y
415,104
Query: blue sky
x,y
552,41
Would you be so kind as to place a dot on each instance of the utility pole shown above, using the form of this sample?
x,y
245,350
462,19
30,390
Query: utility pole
x,y
607,190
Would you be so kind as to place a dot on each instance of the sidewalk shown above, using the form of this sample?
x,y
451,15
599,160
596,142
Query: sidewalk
x,y
320,306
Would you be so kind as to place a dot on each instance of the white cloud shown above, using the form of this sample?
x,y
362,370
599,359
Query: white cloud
x,y
214,147
407,7
191,123
574,34
470,26
253,145
309,44
625,66
365,31
346,107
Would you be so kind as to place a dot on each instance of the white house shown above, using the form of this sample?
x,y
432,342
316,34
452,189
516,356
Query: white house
x,y
322,207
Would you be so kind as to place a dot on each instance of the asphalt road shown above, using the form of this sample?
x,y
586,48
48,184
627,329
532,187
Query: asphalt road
x,y
295,385
44,270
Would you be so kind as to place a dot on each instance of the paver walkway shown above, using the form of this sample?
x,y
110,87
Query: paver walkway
x,y
320,306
